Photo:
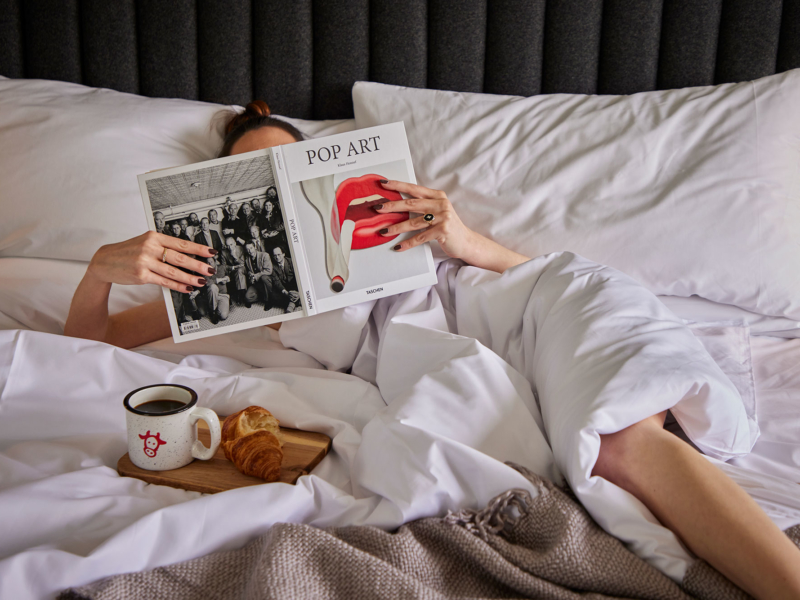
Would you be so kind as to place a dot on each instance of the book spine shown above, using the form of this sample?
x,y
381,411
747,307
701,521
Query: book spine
x,y
299,260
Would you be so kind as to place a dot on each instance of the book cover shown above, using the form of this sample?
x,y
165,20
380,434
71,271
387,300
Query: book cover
x,y
294,227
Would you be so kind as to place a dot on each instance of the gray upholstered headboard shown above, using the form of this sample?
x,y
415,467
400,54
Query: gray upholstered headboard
x,y
302,56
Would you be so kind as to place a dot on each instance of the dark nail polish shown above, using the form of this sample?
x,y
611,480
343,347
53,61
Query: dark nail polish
x,y
201,282
189,288
384,231
213,252
396,247
212,271
383,181
377,206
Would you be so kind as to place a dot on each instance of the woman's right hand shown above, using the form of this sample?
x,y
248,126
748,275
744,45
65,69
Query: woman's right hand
x,y
139,260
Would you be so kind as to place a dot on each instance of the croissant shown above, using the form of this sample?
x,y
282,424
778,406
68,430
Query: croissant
x,y
248,420
257,454
252,440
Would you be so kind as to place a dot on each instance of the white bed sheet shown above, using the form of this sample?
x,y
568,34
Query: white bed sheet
x,y
776,372
455,412
699,310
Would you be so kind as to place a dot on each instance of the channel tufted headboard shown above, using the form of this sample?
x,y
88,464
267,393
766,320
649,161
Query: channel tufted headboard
x,y
304,55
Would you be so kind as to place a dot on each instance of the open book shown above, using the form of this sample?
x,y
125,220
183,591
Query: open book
x,y
294,228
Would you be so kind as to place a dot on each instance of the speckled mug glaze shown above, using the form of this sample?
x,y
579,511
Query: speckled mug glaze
x,y
168,440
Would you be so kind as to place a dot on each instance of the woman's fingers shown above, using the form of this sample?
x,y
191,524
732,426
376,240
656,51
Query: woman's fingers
x,y
417,191
404,226
453,236
140,260
419,205
175,252
171,284
166,272
186,262
424,200
182,246
445,227
433,233
168,276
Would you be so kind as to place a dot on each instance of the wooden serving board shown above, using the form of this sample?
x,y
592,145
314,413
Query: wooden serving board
x,y
302,452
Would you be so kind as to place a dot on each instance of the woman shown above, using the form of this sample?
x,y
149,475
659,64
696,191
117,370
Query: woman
x,y
272,226
713,516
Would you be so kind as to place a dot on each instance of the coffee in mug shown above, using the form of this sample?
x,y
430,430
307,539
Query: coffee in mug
x,y
160,406
162,427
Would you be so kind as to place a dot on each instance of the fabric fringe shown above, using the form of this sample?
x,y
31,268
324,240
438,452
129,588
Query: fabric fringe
x,y
502,512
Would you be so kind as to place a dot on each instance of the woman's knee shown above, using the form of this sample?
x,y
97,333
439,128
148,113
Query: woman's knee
x,y
622,453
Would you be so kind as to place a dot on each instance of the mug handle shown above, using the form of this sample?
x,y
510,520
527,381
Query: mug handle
x,y
212,420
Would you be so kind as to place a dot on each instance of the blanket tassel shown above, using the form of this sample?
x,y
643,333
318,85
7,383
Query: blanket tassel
x,y
501,514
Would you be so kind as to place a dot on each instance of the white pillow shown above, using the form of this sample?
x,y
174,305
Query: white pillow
x,y
71,154
691,191
36,293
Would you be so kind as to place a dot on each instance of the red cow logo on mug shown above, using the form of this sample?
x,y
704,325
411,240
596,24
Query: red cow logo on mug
x,y
151,443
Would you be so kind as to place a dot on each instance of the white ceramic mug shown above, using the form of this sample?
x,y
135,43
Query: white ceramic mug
x,y
159,441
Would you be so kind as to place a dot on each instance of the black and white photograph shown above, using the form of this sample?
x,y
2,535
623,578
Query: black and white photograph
x,y
233,208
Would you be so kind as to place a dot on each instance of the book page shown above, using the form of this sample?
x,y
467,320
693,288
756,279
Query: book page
x,y
334,183
232,205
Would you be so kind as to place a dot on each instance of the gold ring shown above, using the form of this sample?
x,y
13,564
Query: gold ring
x,y
164,256
429,218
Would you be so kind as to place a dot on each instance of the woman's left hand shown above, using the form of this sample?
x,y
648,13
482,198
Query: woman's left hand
x,y
455,238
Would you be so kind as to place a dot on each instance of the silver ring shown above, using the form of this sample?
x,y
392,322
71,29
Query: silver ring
x,y
164,256
429,218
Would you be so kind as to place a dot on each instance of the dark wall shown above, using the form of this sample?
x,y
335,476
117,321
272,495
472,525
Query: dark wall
x,y
302,56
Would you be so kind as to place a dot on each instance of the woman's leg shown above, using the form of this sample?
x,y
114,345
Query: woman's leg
x,y
712,515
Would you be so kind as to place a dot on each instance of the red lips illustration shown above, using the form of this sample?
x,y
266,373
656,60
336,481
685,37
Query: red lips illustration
x,y
355,198
349,220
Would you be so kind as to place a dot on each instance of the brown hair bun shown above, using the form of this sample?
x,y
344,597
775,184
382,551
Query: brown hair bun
x,y
258,106
256,115
254,110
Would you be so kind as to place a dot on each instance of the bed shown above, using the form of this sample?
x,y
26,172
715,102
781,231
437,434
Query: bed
x,y
659,138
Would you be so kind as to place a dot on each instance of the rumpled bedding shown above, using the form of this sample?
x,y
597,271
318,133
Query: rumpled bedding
x,y
545,547
444,386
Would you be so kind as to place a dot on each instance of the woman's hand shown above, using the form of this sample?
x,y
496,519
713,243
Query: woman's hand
x,y
149,258
139,260
455,238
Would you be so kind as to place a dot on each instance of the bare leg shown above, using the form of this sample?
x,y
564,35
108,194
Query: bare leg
x,y
712,515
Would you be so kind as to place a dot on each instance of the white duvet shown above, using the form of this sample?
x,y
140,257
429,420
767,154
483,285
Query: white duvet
x,y
447,384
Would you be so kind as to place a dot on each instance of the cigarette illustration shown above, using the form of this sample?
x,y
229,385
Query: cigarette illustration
x,y
320,193
349,221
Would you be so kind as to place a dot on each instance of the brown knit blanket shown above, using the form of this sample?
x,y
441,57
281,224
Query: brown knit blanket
x,y
544,547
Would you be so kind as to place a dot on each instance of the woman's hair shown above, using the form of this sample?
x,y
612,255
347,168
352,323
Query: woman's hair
x,y
255,116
